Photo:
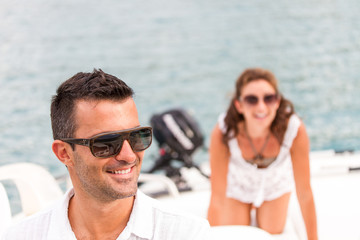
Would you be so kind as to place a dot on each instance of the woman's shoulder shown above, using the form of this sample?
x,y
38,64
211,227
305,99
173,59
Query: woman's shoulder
x,y
217,144
293,121
221,122
217,133
294,126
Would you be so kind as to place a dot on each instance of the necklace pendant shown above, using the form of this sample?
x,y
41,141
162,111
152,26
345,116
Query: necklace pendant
x,y
259,157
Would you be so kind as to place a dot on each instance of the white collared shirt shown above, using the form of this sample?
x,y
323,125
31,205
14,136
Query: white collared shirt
x,y
149,220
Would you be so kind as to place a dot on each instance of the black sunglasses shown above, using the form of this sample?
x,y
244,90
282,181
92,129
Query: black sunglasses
x,y
109,144
253,100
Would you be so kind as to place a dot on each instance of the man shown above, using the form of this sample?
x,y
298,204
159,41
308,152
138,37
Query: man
x,y
99,139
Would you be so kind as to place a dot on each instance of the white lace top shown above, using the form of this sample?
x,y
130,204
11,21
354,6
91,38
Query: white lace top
x,y
249,184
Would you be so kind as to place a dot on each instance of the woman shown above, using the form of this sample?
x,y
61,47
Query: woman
x,y
258,150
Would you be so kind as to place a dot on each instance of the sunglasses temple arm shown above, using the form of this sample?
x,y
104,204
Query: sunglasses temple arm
x,y
83,142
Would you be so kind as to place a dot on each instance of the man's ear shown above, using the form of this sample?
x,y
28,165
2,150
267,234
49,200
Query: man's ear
x,y
63,152
238,106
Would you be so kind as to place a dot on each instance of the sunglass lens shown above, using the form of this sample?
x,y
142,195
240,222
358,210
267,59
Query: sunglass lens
x,y
251,100
107,145
269,99
140,139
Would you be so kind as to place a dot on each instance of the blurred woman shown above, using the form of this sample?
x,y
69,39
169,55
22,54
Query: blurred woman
x,y
259,151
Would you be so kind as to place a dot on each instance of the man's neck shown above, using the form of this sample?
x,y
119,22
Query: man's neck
x,y
98,220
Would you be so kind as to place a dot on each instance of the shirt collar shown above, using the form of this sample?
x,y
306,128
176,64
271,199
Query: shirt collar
x,y
59,226
141,222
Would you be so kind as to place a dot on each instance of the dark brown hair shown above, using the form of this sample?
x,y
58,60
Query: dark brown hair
x,y
233,117
83,86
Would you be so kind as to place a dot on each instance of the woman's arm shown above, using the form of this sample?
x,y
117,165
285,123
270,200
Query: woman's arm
x,y
300,159
219,161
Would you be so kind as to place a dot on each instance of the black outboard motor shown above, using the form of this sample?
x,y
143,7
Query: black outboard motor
x,y
178,136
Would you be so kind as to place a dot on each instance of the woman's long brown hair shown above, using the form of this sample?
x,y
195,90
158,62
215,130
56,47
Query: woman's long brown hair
x,y
233,117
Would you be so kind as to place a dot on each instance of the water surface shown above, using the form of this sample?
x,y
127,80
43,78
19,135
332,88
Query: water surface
x,y
178,54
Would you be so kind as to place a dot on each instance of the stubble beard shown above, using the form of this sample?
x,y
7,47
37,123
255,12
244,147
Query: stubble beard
x,y
98,187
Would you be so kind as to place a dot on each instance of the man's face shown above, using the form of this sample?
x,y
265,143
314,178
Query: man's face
x,y
112,178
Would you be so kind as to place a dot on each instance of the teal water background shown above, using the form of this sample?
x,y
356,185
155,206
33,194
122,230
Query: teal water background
x,y
178,54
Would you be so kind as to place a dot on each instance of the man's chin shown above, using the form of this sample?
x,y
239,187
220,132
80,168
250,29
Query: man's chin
x,y
127,193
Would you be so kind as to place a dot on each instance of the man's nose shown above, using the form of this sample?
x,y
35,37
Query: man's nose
x,y
126,153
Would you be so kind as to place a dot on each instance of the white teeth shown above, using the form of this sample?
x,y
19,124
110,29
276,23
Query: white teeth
x,y
122,171
261,115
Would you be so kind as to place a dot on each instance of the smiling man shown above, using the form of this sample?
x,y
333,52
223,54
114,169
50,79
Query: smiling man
x,y
98,137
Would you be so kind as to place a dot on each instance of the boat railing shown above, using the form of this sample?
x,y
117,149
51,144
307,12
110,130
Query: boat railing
x,y
36,189
5,210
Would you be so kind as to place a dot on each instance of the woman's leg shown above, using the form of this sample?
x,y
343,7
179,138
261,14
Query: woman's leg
x,y
271,215
236,212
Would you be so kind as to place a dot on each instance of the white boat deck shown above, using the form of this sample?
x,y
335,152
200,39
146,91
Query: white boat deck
x,y
335,188
336,193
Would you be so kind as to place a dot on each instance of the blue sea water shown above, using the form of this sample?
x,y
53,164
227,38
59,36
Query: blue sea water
x,y
178,54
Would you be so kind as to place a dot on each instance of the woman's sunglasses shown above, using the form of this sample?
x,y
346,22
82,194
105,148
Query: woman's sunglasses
x,y
109,144
253,100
